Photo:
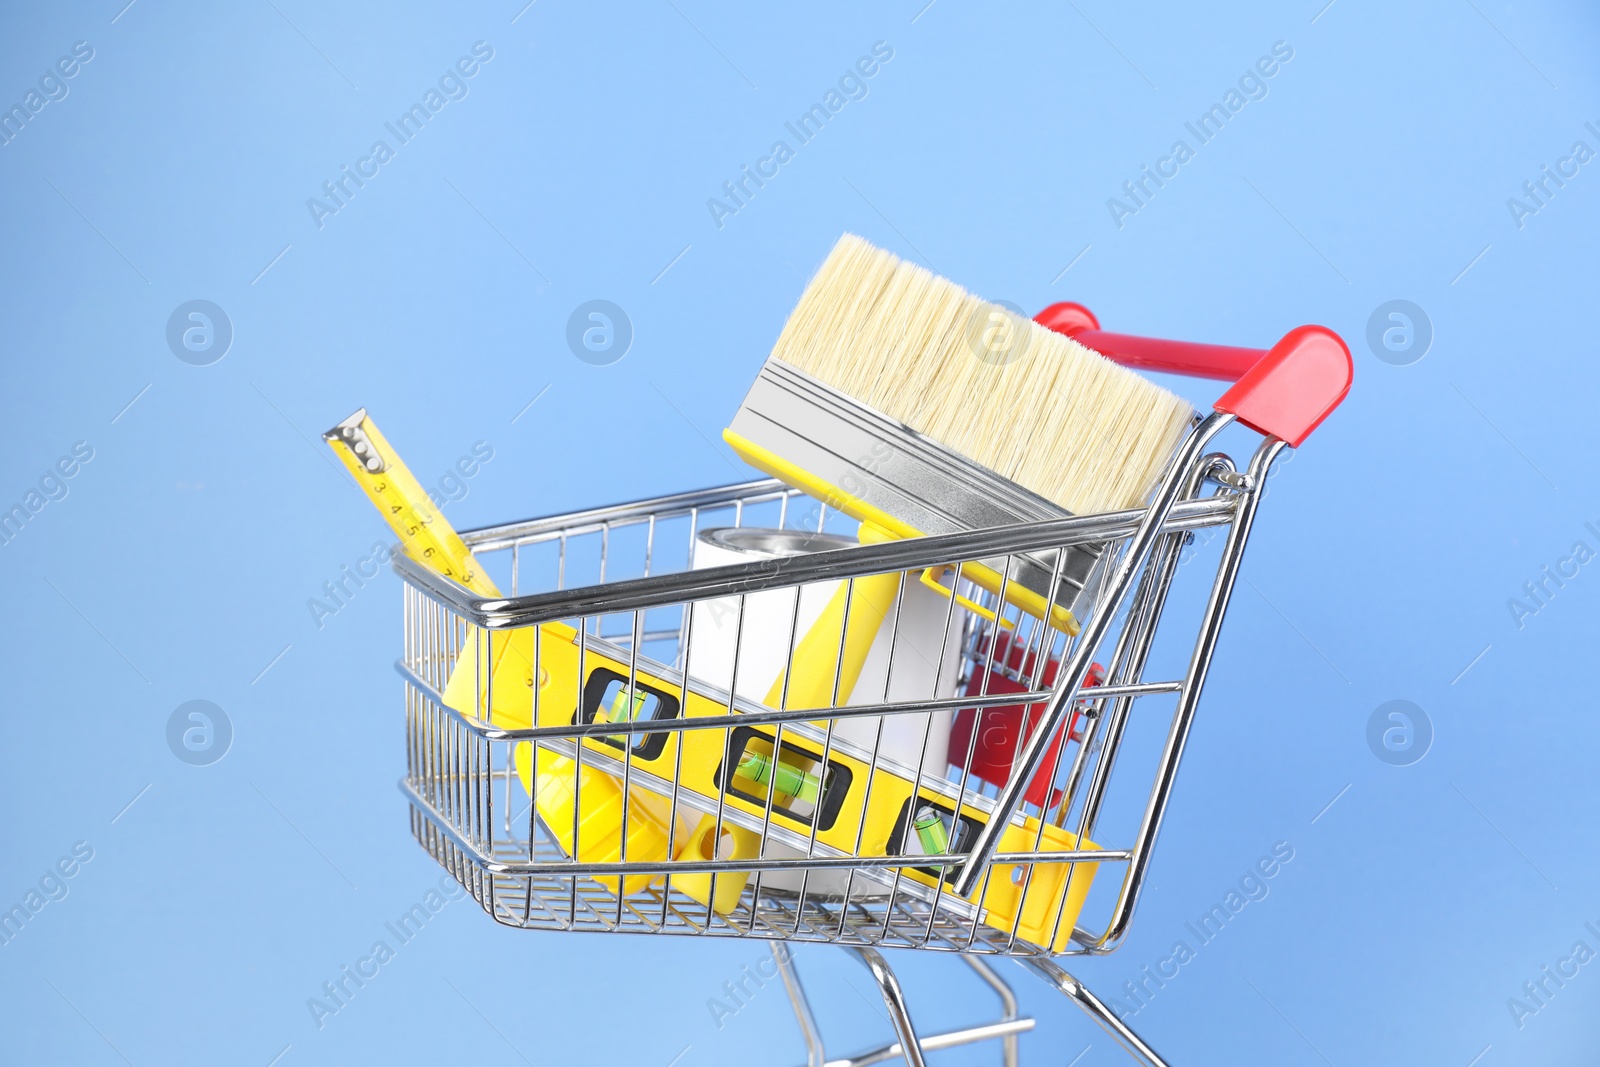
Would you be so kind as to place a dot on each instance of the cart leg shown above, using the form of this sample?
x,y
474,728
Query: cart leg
x,y
1006,1028
894,1000
1008,1006
802,1006
1096,1009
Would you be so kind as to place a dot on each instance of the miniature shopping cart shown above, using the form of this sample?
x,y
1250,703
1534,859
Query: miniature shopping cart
x,y
610,748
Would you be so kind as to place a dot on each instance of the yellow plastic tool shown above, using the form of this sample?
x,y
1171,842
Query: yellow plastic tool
x,y
736,843
598,828
818,654
503,693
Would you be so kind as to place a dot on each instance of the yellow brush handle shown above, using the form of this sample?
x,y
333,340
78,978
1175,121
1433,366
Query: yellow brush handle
x,y
818,655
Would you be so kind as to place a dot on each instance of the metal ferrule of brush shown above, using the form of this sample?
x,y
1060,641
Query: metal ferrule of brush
x,y
871,466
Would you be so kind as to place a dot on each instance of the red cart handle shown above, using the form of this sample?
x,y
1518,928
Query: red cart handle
x,y
1285,391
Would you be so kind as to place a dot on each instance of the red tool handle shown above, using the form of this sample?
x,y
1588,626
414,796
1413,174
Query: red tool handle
x,y
1285,391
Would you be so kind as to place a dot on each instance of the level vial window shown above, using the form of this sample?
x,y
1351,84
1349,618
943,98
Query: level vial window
x,y
927,827
933,834
608,697
785,778
794,778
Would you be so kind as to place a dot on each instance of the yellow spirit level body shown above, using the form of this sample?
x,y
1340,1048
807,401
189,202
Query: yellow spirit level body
x,y
853,808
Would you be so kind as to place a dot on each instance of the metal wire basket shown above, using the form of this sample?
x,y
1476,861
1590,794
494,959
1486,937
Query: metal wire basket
x,y
728,720
632,684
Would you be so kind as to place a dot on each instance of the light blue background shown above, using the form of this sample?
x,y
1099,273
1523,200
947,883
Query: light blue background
x,y
578,167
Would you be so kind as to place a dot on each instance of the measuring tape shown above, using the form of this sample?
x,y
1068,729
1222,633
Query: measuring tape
x,y
424,534
503,694
423,531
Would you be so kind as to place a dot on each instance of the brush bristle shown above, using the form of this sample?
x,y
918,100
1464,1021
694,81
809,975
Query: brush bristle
x,y
1047,413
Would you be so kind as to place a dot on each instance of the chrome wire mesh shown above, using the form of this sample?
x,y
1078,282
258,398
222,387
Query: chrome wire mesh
x,y
632,590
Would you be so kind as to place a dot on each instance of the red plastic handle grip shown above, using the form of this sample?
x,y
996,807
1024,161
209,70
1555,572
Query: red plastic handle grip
x,y
1148,353
1285,391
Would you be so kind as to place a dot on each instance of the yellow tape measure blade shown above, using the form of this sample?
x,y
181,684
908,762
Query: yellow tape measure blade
x,y
423,532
